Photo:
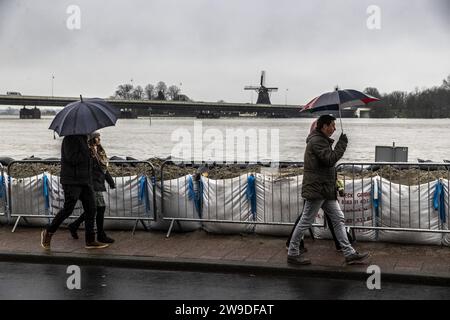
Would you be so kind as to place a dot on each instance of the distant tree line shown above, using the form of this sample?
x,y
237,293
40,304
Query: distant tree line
x,y
150,92
427,103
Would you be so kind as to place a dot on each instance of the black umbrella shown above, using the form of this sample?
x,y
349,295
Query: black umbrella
x,y
83,117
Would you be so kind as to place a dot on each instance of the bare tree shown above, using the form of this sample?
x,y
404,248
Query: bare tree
x,y
124,91
173,92
373,92
446,83
138,93
161,87
149,91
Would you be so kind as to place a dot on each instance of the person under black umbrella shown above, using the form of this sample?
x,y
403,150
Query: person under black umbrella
x,y
76,179
100,175
75,122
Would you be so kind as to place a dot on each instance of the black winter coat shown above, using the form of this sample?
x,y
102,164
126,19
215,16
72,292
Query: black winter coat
x,y
76,161
319,179
99,176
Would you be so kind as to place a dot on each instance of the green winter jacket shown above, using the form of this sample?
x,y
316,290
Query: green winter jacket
x,y
319,179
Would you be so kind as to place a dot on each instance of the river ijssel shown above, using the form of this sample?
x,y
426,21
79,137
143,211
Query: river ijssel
x,y
161,137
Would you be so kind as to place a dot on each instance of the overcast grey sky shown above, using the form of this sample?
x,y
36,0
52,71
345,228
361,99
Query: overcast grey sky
x,y
214,48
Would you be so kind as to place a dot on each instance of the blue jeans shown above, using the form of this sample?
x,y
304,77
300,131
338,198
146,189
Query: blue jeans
x,y
334,212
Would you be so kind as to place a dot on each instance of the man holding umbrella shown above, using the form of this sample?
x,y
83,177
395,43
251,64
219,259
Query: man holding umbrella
x,y
75,122
319,190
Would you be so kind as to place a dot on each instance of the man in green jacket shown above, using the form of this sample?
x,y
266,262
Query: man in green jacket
x,y
319,190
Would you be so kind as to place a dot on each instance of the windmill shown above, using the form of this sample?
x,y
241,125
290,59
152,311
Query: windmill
x,y
263,91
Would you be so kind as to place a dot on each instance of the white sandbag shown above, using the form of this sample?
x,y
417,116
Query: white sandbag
x,y
401,206
226,199
278,201
178,205
358,210
27,196
125,200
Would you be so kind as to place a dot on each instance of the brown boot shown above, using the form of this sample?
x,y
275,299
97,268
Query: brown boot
x,y
46,238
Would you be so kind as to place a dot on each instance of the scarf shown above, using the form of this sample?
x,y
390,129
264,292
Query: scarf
x,y
100,156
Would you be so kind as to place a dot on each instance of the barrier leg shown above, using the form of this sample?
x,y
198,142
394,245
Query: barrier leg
x,y
353,235
8,215
135,225
144,225
170,228
134,228
312,234
15,225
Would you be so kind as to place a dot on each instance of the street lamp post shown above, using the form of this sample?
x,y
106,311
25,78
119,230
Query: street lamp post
x,y
285,97
53,78
150,114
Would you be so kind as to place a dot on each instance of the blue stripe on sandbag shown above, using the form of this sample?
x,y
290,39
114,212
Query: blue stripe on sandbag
x,y
1,186
439,200
45,192
251,194
197,197
143,193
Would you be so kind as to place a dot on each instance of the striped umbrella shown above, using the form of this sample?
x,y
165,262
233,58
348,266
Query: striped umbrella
x,y
338,99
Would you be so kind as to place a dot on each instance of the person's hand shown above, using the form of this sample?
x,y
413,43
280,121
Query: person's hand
x,y
112,185
343,138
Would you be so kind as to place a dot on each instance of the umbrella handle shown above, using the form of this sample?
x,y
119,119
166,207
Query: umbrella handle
x,y
340,118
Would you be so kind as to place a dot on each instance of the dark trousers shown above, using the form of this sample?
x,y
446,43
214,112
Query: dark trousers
x,y
73,193
99,219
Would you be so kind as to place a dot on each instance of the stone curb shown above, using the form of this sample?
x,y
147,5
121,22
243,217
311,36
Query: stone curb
x,y
202,265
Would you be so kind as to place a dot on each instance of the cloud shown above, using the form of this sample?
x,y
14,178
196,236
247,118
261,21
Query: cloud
x,y
215,48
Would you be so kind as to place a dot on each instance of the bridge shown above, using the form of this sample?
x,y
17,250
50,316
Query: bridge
x,y
167,108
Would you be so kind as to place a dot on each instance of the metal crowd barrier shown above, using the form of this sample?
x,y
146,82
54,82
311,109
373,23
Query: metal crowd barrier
x,y
287,207
401,176
23,205
3,196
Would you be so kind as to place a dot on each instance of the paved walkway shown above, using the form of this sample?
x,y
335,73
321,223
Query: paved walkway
x,y
199,250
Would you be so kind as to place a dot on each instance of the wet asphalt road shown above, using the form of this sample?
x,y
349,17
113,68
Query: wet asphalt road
x,y
48,281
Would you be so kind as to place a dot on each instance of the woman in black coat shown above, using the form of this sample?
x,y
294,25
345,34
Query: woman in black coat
x,y
99,175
